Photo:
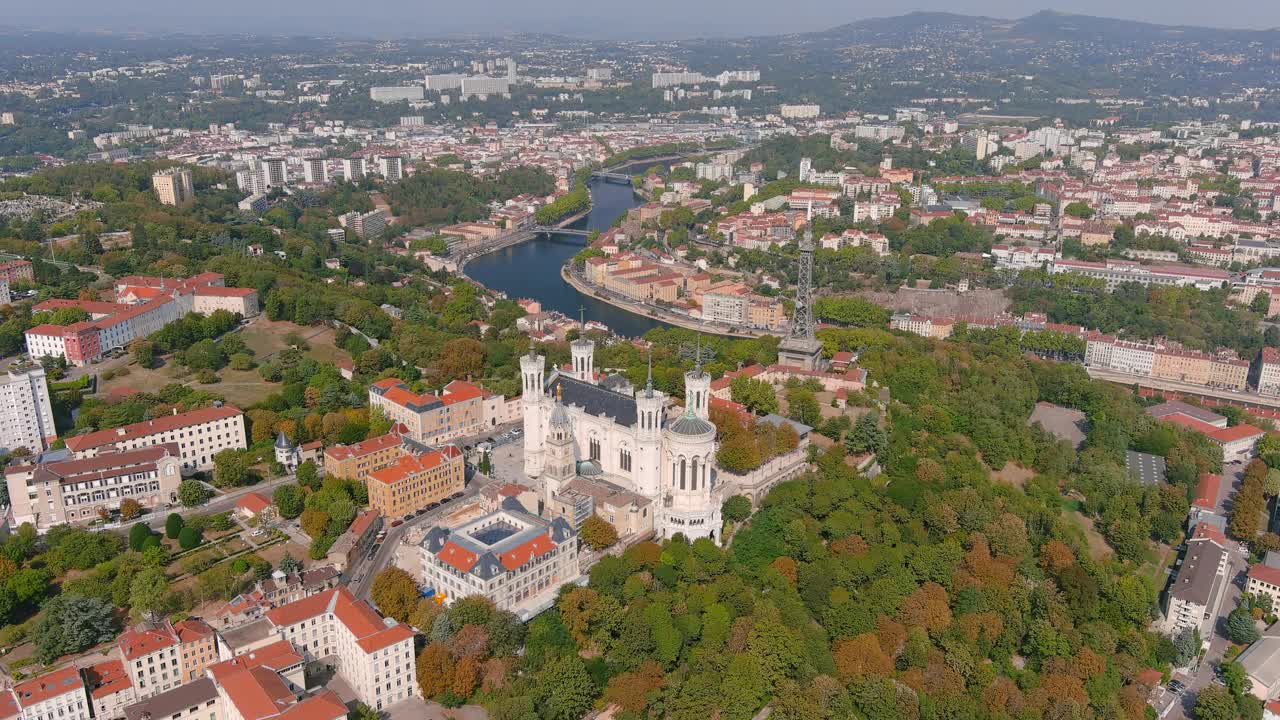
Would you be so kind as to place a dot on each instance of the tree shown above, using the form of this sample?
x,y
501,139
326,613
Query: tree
x,y
567,689
736,509
1215,703
803,406
289,501
364,712
230,468
130,509
1261,303
173,525
149,592
138,536
434,670
597,533
1241,627
866,436
314,522
192,493
395,593
28,586
70,624
308,476
1078,209
290,565
757,395
189,538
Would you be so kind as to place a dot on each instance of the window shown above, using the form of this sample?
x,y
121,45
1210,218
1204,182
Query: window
x,y
594,449
624,460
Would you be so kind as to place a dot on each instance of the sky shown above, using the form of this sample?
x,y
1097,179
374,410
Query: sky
x,y
659,19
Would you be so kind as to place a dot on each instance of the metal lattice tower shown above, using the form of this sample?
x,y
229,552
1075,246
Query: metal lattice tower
x,y
802,326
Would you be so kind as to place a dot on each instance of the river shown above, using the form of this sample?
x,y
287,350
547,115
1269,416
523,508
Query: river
x,y
532,269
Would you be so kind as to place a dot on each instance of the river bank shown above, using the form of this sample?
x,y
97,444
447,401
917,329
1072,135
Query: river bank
x,y
649,311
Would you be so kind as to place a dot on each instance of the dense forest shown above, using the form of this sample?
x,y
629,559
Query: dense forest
x,y
440,197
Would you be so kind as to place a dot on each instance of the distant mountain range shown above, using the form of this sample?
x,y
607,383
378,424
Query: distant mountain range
x,y
1045,25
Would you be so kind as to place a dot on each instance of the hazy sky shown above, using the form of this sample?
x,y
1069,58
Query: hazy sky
x,y
587,18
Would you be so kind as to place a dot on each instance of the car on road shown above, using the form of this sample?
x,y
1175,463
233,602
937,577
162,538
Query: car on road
x,y
397,523
432,506
456,495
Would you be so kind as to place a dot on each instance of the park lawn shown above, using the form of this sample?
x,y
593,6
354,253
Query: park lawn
x,y
241,388
266,338
1098,547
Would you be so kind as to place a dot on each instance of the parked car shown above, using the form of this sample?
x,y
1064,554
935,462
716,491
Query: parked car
x,y
397,523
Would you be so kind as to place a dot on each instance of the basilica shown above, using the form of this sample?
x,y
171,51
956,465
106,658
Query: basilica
x,y
578,428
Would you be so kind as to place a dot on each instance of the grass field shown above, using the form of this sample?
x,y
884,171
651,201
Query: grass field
x,y
240,387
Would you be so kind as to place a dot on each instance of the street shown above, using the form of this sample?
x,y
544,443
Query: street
x,y
363,571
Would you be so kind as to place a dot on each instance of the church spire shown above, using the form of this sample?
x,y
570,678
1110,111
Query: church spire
x,y
697,356
648,383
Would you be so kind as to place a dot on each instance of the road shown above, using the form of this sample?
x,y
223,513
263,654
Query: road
x,y
364,570
217,504
1246,399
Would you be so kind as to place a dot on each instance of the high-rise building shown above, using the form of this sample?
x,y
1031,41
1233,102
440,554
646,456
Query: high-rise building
x,y
221,82
276,171
251,180
173,186
26,418
391,167
395,93
484,85
315,170
440,83
353,169
600,74
800,112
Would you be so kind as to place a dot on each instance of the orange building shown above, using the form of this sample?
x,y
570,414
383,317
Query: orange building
x,y
197,648
415,481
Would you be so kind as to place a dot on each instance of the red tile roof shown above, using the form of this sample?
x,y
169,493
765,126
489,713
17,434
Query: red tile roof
x,y
458,557
1265,573
324,705
192,630
253,502
257,693
410,465
537,547
362,522
164,423
107,678
141,641
1207,491
371,631
51,685
364,447
276,656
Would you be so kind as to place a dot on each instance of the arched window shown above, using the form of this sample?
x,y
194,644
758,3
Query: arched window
x,y
594,449
693,484
682,469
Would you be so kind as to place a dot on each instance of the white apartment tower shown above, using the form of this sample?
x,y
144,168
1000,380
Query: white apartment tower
x,y
26,417
276,171
315,170
391,167
173,186
353,169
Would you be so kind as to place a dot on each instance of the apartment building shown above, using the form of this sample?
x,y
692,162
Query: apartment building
x,y
144,305
199,435
415,481
1188,366
197,648
1203,568
173,186
14,271
59,695
110,690
1264,578
1115,272
433,419
515,559
56,489
1238,442
26,416
357,460
1266,372
152,658
373,654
